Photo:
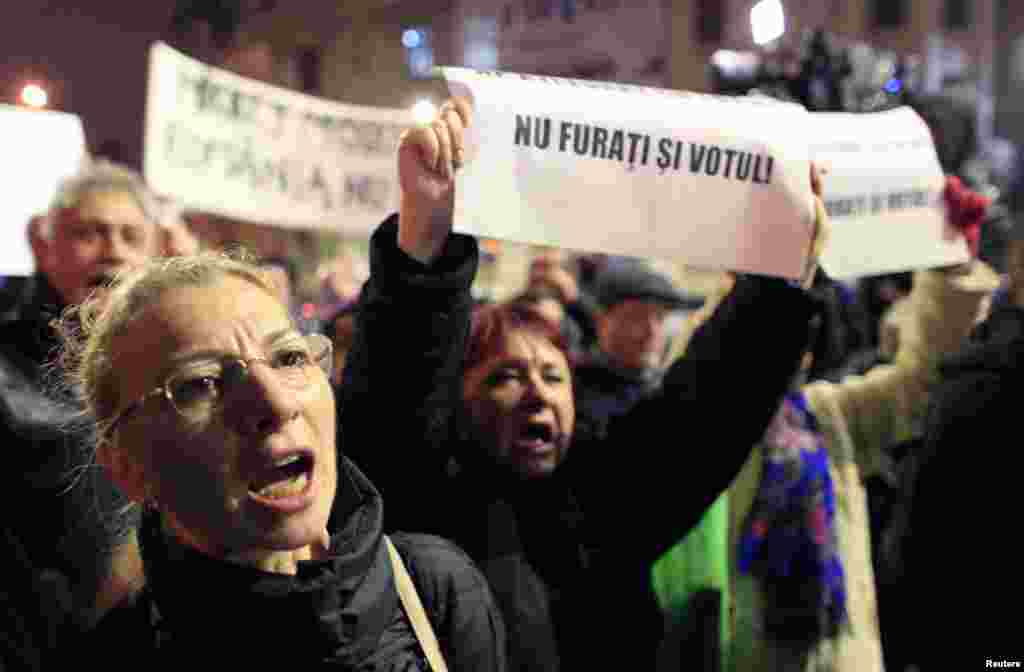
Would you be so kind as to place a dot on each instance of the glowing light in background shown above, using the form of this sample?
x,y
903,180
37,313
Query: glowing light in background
x,y
424,111
894,86
411,38
767,21
419,54
735,63
34,95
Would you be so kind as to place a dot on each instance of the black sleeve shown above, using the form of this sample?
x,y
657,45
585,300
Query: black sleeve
x,y
659,466
583,312
78,514
25,630
402,378
458,602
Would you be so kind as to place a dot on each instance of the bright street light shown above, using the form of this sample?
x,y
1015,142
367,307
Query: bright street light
x,y
34,95
767,21
424,111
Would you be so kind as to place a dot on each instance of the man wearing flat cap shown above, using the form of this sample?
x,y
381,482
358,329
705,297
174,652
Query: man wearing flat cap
x,y
632,338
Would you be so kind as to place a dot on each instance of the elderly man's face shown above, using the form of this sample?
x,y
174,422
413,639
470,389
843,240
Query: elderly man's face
x,y
108,232
634,333
258,473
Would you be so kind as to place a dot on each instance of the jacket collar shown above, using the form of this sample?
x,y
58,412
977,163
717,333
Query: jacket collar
x,y
648,379
335,608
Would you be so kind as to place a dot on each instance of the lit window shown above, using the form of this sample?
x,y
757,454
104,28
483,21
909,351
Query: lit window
x,y
568,10
481,45
889,13
957,15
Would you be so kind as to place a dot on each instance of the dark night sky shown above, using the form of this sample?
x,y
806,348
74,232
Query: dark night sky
x,y
91,56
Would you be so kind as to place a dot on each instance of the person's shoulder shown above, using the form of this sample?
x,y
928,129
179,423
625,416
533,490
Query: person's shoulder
x,y
430,557
444,574
23,345
994,354
19,396
12,334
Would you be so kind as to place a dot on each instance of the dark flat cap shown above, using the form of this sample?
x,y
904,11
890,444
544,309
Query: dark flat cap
x,y
627,278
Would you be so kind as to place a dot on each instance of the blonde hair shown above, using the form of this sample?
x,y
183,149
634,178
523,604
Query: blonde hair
x,y
88,331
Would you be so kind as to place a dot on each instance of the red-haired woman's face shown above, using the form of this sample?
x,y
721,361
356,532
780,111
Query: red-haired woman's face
x,y
521,403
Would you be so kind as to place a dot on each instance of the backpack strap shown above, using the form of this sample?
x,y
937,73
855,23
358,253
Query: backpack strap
x,y
414,610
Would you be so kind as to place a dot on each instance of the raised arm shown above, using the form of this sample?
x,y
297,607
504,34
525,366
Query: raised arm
x,y
887,405
401,382
715,404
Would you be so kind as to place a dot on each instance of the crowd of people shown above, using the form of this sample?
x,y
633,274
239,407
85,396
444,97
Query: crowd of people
x,y
605,471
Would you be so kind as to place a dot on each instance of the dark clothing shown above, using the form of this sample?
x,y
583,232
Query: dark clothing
x,y
579,326
62,518
603,391
953,124
961,552
400,387
568,557
14,292
340,613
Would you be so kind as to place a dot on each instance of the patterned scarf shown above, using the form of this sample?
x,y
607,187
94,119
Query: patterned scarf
x,y
789,539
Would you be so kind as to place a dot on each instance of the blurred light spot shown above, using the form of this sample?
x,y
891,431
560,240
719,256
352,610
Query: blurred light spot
x,y
424,111
767,21
411,38
34,95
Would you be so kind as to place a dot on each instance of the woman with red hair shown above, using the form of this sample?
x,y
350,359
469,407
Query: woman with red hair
x,y
482,442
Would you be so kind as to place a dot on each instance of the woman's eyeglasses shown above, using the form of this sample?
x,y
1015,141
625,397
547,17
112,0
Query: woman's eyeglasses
x,y
199,389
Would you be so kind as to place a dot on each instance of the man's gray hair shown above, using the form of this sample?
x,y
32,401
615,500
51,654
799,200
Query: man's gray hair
x,y
102,175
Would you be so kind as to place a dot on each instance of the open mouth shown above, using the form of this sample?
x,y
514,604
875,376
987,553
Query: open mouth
x,y
288,477
536,437
538,431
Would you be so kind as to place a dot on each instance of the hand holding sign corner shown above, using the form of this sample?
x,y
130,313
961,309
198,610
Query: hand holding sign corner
x,y
428,157
886,184
965,214
822,226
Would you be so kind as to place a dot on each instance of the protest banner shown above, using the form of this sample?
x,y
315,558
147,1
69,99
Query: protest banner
x,y
236,147
883,194
709,181
42,149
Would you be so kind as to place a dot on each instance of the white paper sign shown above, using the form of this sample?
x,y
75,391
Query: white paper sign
x,y
883,192
709,181
240,148
42,149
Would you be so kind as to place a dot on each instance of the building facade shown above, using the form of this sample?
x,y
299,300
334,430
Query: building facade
x,y
383,53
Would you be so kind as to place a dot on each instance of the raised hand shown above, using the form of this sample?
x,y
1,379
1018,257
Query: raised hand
x,y
428,157
965,211
545,272
822,227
